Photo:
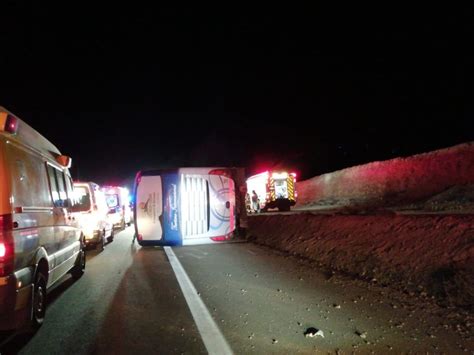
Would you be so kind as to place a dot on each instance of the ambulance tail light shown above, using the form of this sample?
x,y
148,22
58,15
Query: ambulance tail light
x,y
7,246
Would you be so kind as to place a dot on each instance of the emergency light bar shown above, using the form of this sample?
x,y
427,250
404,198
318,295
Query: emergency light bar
x,y
64,161
280,175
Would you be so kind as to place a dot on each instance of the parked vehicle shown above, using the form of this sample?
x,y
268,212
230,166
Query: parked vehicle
x,y
184,206
273,189
92,214
118,201
40,240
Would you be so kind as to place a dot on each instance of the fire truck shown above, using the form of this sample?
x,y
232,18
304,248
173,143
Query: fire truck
x,y
274,189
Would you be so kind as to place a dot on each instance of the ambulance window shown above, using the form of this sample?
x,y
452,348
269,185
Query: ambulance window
x,y
101,204
61,189
53,185
69,190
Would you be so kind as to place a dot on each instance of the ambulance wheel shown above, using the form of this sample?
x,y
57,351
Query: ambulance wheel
x,y
101,244
78,270
111,238
39,301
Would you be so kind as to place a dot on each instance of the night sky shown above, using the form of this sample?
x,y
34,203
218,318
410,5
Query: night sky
x,y
312,89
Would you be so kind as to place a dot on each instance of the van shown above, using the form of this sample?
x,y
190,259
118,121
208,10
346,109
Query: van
x,y
92,214
40,240
118,203
184,206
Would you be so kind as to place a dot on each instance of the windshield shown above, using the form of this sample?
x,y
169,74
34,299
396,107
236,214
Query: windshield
x,y
83,198
280,189
112,200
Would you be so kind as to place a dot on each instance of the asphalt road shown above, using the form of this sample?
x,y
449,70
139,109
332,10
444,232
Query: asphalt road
x,y
129,301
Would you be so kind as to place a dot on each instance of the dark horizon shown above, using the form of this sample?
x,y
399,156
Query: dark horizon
x,y
314,90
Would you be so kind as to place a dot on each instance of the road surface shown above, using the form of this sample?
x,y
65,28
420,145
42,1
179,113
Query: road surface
x,y
129,301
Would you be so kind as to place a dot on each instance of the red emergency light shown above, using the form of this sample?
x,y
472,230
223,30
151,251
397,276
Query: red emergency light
x,y
11,124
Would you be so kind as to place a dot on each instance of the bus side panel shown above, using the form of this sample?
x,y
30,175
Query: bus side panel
x,y
149,209
172,230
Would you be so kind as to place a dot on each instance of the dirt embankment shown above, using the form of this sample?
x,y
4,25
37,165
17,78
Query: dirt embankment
x,y
432,256
392,182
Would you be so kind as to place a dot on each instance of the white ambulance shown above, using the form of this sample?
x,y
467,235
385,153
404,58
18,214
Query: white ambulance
x,y
40,240
92,213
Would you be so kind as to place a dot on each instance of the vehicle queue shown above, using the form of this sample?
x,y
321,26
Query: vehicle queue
x,y
48,221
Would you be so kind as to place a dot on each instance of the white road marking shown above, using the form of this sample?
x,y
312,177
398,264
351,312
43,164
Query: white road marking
x,y
210,333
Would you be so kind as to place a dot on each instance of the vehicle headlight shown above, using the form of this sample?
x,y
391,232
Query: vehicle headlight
x,y
89,228
88,232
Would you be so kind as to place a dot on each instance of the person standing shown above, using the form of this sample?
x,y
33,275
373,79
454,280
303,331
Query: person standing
x,y
255,202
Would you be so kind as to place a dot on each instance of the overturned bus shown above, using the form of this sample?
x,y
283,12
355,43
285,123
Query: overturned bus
x,y
184,206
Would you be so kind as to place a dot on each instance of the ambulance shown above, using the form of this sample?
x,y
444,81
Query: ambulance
x,y
118,201
92,214
184,206
40,239
275,189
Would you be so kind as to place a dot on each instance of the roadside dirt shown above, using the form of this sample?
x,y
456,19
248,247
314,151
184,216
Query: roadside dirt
x,y
430,257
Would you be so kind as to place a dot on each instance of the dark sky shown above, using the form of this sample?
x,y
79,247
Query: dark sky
x,y
314,89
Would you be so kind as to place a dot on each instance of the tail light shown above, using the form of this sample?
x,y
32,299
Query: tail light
x,y
7,246
221,238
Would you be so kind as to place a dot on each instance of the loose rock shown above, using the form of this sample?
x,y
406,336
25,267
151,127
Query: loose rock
x,y
313,332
